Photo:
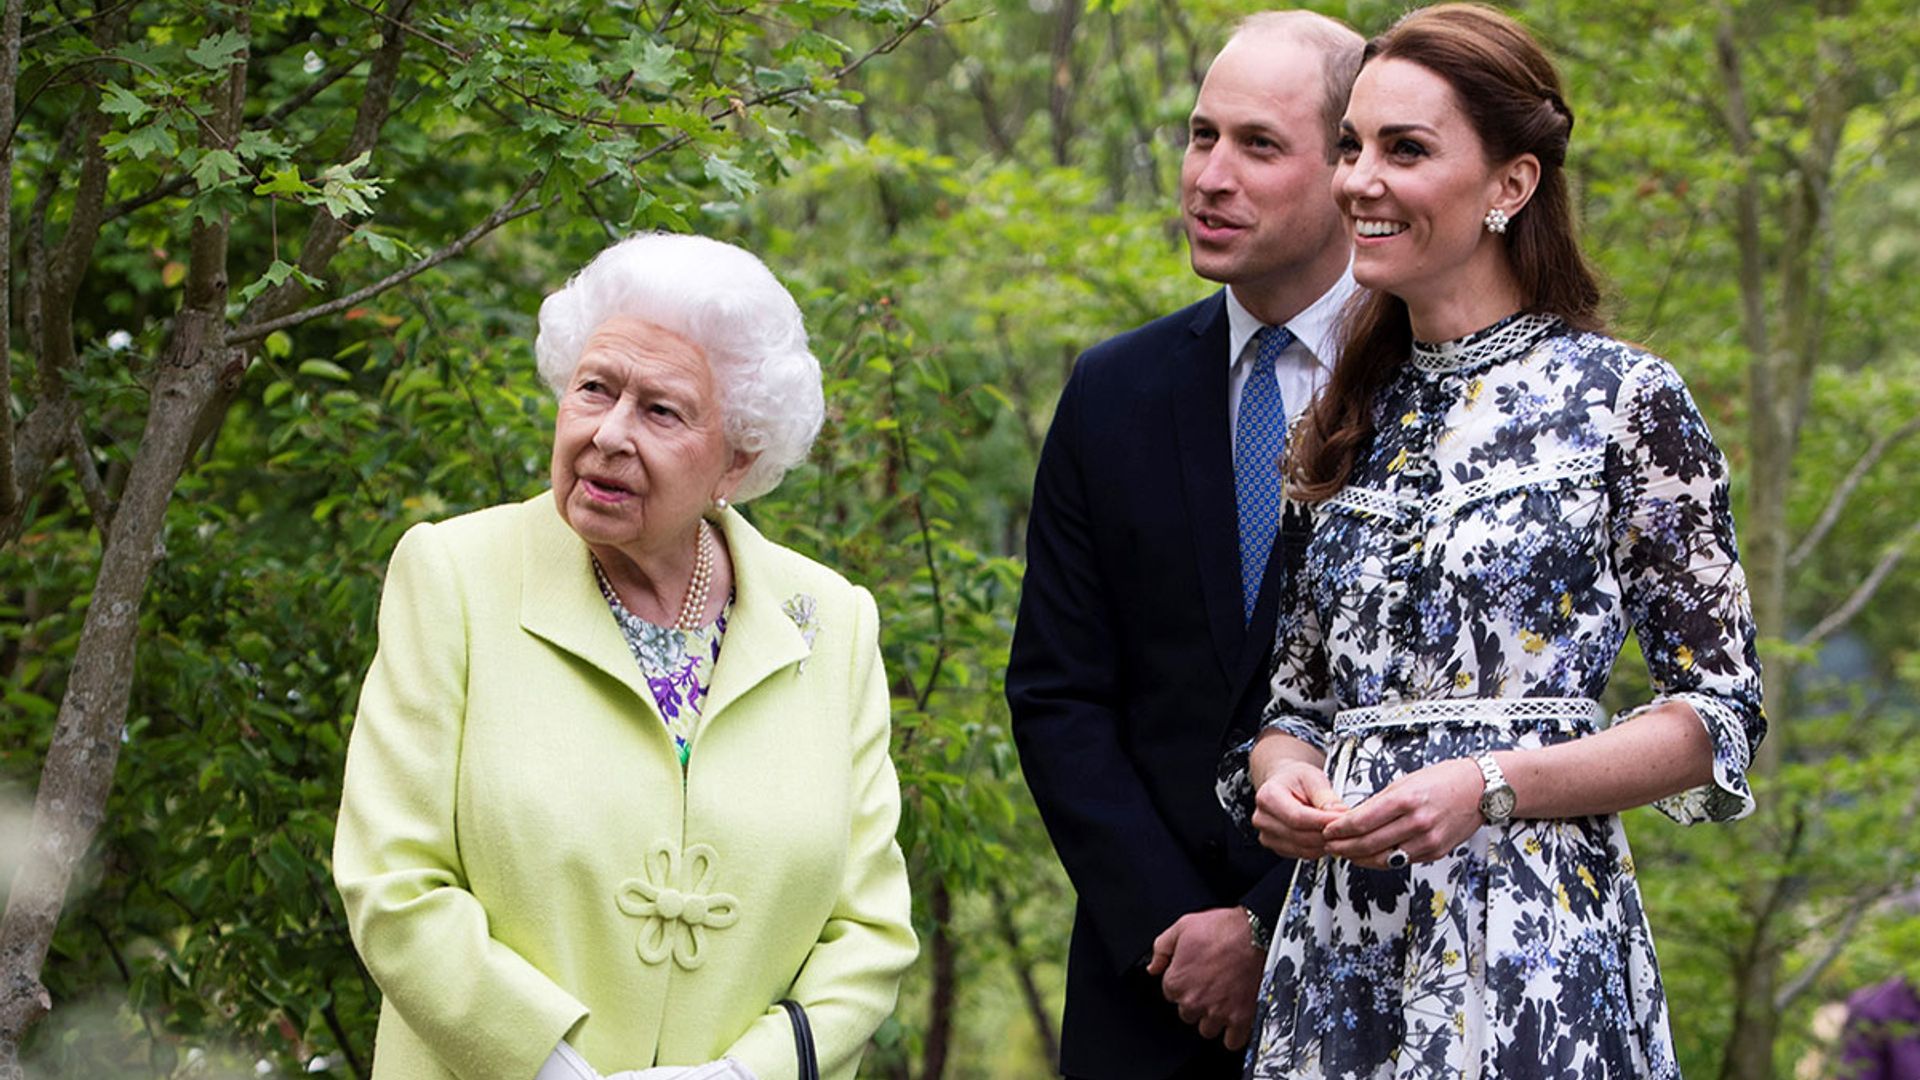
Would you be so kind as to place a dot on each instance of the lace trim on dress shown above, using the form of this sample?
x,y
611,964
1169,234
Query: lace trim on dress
x,y
1573,714
1391,507
1496,342
1551,470
1373,502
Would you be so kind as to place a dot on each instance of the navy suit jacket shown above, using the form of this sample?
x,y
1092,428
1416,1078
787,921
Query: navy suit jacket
x,y
1132,669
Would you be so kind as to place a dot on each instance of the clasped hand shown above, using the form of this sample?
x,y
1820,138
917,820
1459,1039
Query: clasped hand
x,y
1426,813
1210,970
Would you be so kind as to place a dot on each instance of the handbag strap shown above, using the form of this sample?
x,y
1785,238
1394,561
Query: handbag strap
x,y
802,1039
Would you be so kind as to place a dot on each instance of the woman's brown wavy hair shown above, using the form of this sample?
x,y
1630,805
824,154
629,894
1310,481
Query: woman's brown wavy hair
x,y
1510,93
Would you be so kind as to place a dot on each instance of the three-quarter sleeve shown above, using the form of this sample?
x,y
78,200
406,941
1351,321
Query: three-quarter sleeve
x,y
485,1011
1301,701
852,974
1683,587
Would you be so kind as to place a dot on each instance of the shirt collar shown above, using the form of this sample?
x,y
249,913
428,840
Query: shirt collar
x,y
1317,328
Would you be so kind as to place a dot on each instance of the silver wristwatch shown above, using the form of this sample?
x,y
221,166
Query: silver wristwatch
x,y
1496,800
1257,929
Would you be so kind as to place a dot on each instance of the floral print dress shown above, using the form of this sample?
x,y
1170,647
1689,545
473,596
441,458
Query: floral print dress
x,y
1531,494
678,664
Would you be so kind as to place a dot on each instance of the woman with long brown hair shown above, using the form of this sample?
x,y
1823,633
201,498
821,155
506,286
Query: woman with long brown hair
x,y
1498,493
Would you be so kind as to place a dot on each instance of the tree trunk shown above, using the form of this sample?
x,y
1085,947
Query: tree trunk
x,y
71,801
78,774
9,75
1023,971
945,985
1756,1022
1060,86
1783,327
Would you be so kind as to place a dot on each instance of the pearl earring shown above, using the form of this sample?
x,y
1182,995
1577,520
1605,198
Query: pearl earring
x,y
720,504
1496,221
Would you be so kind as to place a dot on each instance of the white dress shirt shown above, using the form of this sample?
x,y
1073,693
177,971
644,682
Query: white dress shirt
x,y
1303,366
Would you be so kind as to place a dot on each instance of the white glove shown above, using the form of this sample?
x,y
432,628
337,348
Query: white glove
x,y
565,1063
724,1069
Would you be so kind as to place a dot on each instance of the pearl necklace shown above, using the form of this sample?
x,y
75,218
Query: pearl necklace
x,y
693,607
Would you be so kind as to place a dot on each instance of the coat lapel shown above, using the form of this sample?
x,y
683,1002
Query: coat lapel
x,y
1199,403
561,603
761,637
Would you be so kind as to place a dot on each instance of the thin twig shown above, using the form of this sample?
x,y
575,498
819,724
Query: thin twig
x,y
78,21
446,47
508,211
1852,606
1856,912
594,209
105,58
1855,476
98,501
178,184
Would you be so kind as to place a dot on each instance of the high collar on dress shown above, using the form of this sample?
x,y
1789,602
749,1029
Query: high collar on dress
x,y
1512,336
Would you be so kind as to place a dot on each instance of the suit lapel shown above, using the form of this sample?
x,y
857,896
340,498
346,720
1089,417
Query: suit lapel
x,y
1199,403
1283,562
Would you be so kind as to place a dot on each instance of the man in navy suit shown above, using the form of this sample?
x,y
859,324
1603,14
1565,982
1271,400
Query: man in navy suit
x,y
1148,609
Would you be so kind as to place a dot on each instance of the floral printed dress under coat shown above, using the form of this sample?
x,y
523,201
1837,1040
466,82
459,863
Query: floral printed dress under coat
x,y
1531,494
678,664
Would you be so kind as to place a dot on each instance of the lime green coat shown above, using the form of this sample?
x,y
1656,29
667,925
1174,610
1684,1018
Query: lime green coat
x,y
521,860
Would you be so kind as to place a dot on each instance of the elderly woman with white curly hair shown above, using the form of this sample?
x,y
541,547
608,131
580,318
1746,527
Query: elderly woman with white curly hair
x,y
618,792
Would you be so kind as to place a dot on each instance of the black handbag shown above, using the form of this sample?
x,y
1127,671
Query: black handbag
x,y
802,1040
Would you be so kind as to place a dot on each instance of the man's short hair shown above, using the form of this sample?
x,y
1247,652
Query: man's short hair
x,y
1340,48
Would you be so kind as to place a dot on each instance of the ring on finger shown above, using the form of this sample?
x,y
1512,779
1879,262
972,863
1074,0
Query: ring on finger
x,y
1397,859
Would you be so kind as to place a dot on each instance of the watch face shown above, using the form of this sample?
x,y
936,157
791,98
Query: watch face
x,y
1497,803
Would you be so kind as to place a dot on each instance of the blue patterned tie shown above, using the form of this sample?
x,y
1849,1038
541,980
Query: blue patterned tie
x,y
1259,438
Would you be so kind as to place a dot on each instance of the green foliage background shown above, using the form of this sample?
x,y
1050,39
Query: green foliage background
x,y
958,219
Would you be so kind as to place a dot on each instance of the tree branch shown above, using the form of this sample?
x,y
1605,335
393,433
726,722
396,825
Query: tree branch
x,y
98,501
1171,9
68,262
327,232
70,24
1739,123
1852,606
1855,476
1136,112
507,211
52,288
176,185
9,76
400,22
34,246
1856,912
511,210
980,85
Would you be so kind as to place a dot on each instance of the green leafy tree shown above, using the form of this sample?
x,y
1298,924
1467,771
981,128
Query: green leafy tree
x,y
1743,179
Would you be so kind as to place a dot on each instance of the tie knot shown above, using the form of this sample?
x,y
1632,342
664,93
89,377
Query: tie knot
x,y
1270,341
